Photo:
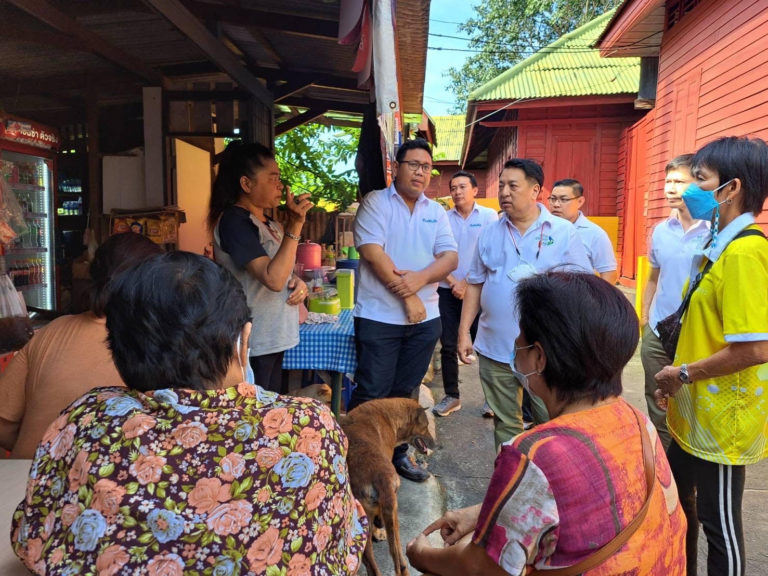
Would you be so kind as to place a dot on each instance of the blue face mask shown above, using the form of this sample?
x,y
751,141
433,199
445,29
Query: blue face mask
x,y
702,203
522,378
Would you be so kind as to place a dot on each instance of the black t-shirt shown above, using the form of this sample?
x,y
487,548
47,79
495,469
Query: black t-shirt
x,y
239,236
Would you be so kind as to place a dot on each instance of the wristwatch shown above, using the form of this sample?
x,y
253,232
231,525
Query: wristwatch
x,y
684,377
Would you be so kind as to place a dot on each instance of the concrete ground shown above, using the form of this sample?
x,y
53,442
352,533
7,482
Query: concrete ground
x,y
463,462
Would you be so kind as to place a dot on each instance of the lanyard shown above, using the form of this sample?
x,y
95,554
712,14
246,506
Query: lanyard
x,y
514,242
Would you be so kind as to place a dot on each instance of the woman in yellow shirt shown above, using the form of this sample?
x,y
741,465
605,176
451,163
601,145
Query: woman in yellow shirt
x,y
718,409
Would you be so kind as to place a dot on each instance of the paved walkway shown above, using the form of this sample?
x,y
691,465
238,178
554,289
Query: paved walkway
x,y
463,462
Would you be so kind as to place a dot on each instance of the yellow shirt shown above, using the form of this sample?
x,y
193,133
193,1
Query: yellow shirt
x,y
725,419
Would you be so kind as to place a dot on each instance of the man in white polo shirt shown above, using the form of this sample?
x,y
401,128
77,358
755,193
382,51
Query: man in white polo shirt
x,y
406,247
526,240
566,200
674,243
467,220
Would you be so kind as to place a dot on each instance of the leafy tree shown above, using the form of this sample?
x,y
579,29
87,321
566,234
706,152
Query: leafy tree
x,y
320,160
506,32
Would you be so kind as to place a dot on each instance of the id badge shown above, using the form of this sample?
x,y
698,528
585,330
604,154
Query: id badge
x,y
521,272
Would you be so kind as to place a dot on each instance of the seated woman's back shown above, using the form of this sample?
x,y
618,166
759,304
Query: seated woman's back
x,y
234,479
567,487
66,358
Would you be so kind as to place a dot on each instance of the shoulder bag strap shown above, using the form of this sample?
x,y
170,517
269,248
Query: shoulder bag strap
x,y
684,305
609,549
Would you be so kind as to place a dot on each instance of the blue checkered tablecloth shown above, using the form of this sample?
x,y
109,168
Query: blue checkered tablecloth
x,y
325,347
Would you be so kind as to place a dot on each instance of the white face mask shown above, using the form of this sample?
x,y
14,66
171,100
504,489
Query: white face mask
x,y
522,378
248,375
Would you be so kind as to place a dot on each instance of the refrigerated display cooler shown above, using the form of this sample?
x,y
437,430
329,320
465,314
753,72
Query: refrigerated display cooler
x,y
28,165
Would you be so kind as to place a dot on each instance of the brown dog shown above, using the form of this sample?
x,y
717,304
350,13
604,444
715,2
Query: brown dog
x,y
374,428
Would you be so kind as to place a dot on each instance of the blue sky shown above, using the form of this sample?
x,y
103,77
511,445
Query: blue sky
x,y
444,15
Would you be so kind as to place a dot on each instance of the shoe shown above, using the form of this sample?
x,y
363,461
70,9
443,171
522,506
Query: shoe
x,y
407,468
487,412
447,405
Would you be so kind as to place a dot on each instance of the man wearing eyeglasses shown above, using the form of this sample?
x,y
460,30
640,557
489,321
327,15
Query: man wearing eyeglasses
x,y
566,200
406,247
526,240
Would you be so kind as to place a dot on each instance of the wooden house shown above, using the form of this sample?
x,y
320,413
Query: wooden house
x,y
705,69
565,107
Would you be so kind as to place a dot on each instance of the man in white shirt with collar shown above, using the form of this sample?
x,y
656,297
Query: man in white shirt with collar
x,y
674,244
468,219
406,247
566,200
526,240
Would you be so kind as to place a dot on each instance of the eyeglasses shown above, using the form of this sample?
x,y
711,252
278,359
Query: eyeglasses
x,y
560,199
414,166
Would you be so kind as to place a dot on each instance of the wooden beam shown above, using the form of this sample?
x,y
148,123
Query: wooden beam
x,y
338,106
299,120
191,27
293,24
58,20
203,95
553,121
289,89
499,105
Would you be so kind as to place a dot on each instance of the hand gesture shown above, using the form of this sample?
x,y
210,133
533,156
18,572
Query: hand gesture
x,y
298,206
408,283
668,380
464,347
454,524
298,291
458,289
414,310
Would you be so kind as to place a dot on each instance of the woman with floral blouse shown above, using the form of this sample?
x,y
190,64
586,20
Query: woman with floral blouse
x,y
176,475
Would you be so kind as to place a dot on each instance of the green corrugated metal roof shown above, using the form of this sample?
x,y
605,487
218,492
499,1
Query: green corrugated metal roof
x,y
567,67
449,131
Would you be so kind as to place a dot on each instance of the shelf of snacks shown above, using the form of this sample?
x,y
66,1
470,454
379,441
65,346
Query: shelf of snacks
x,y
161,225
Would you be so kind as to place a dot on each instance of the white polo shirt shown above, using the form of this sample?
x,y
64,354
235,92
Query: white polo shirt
x,y
466,232
672,252
411,240
597,243
556,242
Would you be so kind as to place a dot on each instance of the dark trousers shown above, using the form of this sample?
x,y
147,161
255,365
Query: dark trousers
x,y
711,493
268,371
391,360
450,316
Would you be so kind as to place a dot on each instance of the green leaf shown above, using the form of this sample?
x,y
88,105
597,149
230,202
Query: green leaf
x,y
107,470
222,451
304,420
296,544
176,450
146,537
151,488
131,487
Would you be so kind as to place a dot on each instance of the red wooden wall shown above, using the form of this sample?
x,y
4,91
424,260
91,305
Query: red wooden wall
x,y
587,151
713,77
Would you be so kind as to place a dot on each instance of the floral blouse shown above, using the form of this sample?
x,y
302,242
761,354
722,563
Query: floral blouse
x,y
179,482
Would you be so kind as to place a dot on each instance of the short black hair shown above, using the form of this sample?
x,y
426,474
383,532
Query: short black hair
x,y
532,169
587,328
237,160
575,185
682,161
172,322
463,174
415,144
743,158
117,254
